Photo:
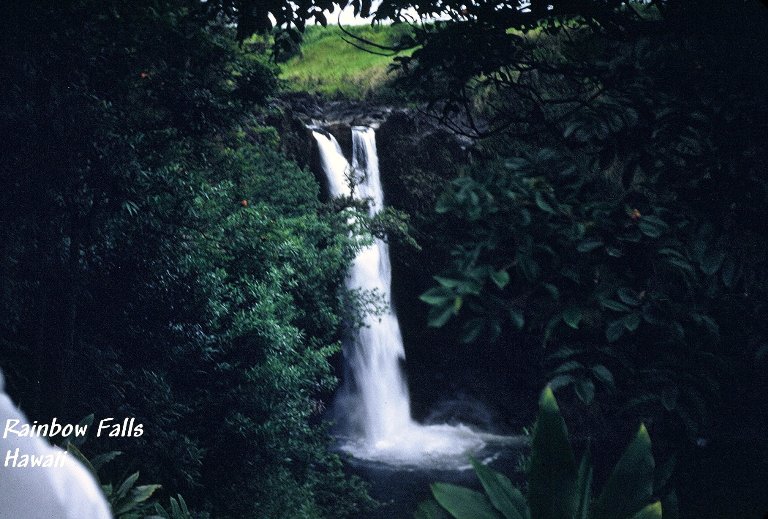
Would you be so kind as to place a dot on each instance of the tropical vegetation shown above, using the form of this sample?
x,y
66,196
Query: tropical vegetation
x,y
557,488
595,204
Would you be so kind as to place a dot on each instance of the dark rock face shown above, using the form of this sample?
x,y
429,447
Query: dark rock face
x,y
296,115
289,117
403,131
417,155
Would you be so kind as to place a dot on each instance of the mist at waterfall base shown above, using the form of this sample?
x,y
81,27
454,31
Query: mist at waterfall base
x,y
372,408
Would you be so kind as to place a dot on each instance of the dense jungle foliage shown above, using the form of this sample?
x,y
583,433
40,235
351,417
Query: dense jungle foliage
x,y
617,212
163,259
614,210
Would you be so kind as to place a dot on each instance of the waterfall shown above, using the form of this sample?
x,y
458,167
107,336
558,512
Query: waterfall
x,y
373,406
374,353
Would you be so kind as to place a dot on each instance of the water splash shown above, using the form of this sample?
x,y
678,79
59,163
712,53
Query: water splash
x,y
373,405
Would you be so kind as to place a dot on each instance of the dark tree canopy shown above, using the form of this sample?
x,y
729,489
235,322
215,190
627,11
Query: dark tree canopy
x,y
254,16
498,45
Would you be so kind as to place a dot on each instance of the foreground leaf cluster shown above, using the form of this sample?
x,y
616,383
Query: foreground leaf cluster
x,y
557,487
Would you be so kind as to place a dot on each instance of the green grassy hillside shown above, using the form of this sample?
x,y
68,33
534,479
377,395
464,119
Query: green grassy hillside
x,y
328,65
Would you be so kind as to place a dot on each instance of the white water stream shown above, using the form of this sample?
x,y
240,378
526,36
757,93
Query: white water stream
x,y
373,406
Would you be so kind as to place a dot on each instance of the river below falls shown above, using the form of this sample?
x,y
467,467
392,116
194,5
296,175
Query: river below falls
x,y
401,489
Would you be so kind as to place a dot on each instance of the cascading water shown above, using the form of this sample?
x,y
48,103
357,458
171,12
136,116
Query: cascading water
x,y
373,406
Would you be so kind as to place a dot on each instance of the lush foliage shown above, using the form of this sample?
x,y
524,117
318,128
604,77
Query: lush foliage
x,y
618,217
557,488
162,260
178,509
127,500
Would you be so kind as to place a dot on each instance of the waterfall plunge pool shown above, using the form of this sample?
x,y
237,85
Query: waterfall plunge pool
x,y
438,447
372,408
401,487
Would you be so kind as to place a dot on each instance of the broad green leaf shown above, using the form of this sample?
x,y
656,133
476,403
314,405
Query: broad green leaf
x,y
429,509
517,318
565,352
463,503
610,304
175,510
711,262
631,321
603,374
439,316
447,282
571,365
628,296
630,485
445,204
183,504
138,496
572,316
554,292
469,286
127,485
543,204
516,163
615,330
710,324
503,495
652,511
561,381
161,512
669,251
500,278
584,487
652,226
143,492
681,264
552,475
437,296
571,127
589,245
585,390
